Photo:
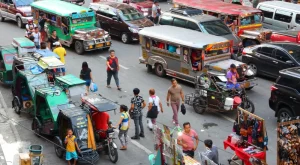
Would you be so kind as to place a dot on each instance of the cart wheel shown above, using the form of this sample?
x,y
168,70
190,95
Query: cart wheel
x,y
16,105
199,105
248,106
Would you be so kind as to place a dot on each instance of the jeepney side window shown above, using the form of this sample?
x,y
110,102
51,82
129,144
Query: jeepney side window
x,y
147,43
173,49
158,44
185,55
196,59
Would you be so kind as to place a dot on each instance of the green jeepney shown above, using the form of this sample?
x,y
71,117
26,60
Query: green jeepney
x,y
74,25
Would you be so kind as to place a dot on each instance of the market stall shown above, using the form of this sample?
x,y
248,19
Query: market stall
x,y
288,143
249,139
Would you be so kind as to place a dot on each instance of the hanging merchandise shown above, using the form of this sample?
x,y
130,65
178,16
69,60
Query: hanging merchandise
x,y
288,143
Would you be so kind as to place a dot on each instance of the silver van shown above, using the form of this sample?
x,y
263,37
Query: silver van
x,y
194,19
279,15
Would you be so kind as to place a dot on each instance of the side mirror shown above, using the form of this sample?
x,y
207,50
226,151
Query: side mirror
x,y
289,62
115,18
288,27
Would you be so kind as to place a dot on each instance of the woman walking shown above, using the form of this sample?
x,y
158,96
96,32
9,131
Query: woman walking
x,y
154,106
123,126
86,75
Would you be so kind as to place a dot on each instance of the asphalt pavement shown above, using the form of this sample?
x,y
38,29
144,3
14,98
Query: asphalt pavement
x,y
216,126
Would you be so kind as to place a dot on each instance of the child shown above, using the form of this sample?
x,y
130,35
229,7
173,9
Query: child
x,y
71,142
123,126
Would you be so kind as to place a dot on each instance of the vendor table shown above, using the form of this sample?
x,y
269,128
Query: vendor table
x,y
241,154
190,161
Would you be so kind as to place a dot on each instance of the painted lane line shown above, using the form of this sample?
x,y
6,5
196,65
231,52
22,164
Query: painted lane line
x,y
225,117
120,64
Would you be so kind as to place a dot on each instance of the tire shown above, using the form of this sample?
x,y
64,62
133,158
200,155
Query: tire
x,y
159,70
105,49
248,106
254,68
20,23
125,38
284,113
149,68
79,47
2,19
198,105
113,154
16,105
58,148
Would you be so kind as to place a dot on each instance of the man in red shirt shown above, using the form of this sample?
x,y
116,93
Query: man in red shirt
x,y
113,68
196,59
189,140
101,120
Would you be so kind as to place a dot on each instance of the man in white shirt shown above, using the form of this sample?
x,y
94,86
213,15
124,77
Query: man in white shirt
x,y
155,11
37,37
30,26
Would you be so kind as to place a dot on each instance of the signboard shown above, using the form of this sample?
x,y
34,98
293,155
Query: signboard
x,y
82,14
80,122
8,58
218,46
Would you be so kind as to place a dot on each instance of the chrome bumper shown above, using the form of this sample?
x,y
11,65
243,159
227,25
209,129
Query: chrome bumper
x,y
25,19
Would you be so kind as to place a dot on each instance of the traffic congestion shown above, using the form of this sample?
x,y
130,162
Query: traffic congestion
x,y
229,71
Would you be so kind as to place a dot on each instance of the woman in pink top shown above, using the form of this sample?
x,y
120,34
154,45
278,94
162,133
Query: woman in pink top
x,y
187,140
154,99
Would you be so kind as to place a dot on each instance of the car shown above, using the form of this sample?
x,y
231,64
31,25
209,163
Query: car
x,y
194,19
269,58
120,20
285,94
19,11
143,6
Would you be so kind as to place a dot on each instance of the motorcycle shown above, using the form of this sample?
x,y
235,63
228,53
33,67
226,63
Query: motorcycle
x,y
108,145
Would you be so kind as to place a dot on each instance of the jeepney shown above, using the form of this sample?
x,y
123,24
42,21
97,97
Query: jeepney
x,y
246,21
74,25
173,51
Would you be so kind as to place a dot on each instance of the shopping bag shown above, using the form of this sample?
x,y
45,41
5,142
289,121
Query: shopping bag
x,y
93,87
183,109
149,123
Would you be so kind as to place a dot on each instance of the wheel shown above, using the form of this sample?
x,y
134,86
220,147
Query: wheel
x,y
254,69
79,47
113,153
199,105
125,38
2,19
58,148
16,105
106,49
284,113
19,22
159,70
248,106
149,68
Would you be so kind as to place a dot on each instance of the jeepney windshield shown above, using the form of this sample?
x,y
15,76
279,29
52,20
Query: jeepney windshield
x,y
217,28
252,19
130,14
23,2
82,20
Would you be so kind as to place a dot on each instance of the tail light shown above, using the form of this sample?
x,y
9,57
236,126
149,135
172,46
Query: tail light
x,y
273,88
244,52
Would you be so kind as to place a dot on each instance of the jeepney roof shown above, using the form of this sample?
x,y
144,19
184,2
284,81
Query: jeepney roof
x,y
23,42
46,53
70,80
282,5
72,111
225,64
218,7
59,7
199,18
292,33
181,36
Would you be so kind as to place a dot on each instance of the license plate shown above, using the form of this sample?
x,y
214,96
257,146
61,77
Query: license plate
x,y
107,43
99,45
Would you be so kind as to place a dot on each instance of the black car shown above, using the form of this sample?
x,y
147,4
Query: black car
x,y
285,93
268,59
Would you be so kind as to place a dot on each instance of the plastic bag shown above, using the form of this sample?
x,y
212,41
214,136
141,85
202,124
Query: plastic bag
x,y
149,123
93,87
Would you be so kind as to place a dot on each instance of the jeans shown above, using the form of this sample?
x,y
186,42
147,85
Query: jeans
x,y
175,107
121,133
115,74
138,123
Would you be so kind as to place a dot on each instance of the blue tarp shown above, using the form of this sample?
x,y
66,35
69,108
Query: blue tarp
x,y
47,53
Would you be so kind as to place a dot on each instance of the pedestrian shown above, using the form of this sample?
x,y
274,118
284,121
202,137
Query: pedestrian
x,y
37,37
86,75
154,101
175,93
124,125
155,11
137,104
113,68
41,25
30,26
43,46
187,140
61,52
52,39
71,145
211,151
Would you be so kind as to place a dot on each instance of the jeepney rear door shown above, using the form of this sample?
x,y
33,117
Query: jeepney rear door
x,y
186,65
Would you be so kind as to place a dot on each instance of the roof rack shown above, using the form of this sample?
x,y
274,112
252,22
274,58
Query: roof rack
x,y
186,11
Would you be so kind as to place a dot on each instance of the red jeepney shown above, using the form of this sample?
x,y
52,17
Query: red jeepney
x,y
245,21
287,35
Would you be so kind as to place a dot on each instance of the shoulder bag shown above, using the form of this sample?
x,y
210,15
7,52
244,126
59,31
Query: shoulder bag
x,y
152,113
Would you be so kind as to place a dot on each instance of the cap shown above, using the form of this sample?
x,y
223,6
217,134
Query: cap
x,y
232,66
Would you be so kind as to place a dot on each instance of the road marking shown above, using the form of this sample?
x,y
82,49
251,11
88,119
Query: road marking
x,y
120,64
225,117
138,145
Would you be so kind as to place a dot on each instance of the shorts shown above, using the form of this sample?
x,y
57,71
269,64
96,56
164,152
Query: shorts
x,y
87,83
195,64
63,70
233,86
71,155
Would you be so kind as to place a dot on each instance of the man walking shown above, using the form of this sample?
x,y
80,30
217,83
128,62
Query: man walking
x,y
61,52
113,68
187,140
174,95
155,11
211,151
137,104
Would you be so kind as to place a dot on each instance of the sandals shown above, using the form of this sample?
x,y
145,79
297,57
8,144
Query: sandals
x,y
123,148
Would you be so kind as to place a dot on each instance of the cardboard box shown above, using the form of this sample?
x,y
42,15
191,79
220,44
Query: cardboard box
x,y
24,159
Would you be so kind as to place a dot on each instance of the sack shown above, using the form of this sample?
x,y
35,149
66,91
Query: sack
x,y
93,87
183,109
152,113
149,123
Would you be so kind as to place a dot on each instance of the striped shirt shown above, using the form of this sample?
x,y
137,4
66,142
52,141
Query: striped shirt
x,y
124,124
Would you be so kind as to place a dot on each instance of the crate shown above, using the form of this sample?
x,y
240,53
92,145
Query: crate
x,y
36,149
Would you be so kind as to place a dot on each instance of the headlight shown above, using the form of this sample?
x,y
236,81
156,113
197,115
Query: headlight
x,y
90,43
133,30
111,135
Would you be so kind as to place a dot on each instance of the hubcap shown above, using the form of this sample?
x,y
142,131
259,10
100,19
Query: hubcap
x,y
253,68
284,115
124,38
159,68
